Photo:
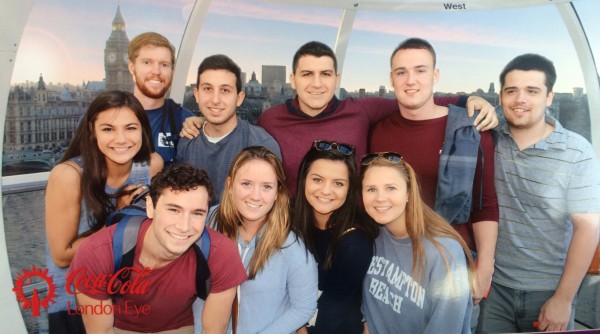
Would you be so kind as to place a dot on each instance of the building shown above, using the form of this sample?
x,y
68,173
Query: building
x,y
115,56
273,74
253,88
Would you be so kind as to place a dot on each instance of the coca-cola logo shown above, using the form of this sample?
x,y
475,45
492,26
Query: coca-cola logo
x,y
91,283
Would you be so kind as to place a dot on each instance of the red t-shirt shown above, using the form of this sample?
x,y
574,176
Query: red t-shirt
x,y
161,298
420,144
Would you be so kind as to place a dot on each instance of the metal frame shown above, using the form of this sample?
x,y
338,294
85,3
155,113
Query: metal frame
x,y
186,48
588,67
13,18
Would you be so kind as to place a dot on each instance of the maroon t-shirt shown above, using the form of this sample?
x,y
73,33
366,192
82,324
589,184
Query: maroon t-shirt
x,y
420,144
162,298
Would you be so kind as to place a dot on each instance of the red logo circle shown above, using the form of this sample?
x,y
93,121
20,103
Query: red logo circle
x,y
26,278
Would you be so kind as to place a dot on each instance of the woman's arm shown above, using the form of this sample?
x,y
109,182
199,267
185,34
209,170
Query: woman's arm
x,y
63,206
156,164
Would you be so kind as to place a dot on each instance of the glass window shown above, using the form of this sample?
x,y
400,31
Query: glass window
x,y
60,66
261,37
65,57
472,48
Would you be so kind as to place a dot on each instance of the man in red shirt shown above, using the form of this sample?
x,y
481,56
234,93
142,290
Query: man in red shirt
x,y
162,286
418,131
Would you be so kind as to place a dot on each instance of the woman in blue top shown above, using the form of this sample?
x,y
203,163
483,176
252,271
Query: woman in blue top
x,y
419,278
326,212
108,161
281,291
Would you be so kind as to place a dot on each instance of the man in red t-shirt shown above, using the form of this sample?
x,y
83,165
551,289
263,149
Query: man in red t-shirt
x,y
417,131
161,289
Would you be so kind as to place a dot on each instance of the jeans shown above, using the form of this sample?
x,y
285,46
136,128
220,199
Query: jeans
x,y
508,310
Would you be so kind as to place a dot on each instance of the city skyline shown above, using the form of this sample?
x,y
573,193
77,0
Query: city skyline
x,y
238,29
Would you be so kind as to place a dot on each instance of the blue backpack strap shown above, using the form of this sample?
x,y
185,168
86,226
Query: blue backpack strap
x,y
204,243
124,242
202,250
118,244
128,211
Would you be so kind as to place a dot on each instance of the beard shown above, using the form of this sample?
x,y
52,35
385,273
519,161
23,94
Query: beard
x,y
154,94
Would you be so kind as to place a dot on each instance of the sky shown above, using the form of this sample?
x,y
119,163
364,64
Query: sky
x,y
64,39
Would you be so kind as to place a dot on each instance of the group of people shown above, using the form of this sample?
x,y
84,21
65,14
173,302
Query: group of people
x,y
445,226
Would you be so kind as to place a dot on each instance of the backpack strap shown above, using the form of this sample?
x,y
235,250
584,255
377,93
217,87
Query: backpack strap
x,y
202,250
124,242
133,210
174,129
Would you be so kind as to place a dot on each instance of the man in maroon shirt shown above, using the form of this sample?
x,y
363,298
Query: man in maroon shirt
x,y
417,131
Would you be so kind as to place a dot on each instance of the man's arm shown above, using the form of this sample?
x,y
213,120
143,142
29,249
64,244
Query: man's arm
x,y
95,323
486,235
217,310
191,127
556,312
487,118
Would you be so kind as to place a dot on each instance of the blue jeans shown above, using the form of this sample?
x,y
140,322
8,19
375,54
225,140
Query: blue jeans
x,y
508,310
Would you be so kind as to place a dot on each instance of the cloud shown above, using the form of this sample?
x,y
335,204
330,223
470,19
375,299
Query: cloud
x,y
273,12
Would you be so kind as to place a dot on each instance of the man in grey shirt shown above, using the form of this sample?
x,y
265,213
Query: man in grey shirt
x,y
218,93
548,185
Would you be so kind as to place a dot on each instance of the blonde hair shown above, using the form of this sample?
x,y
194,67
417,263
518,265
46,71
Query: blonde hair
x,y
422,221
149,38
277,222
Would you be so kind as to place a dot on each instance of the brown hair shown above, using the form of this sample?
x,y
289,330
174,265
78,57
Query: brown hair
x,y
277,222
149,38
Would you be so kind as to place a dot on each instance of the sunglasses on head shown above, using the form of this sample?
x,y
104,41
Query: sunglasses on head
x,y
323,145
392,157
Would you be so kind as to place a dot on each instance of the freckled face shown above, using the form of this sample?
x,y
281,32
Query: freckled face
x,y
152,71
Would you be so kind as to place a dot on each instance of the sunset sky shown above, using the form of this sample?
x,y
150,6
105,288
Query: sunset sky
x,y
65,39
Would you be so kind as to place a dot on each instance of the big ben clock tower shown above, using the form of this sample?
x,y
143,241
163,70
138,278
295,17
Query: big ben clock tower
x,y
115,56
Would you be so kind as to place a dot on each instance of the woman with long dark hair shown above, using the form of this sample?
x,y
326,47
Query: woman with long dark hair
x,y
327,216
109,161
419,278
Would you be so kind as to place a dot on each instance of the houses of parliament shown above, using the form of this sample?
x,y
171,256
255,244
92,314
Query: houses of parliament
x,y
41,118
